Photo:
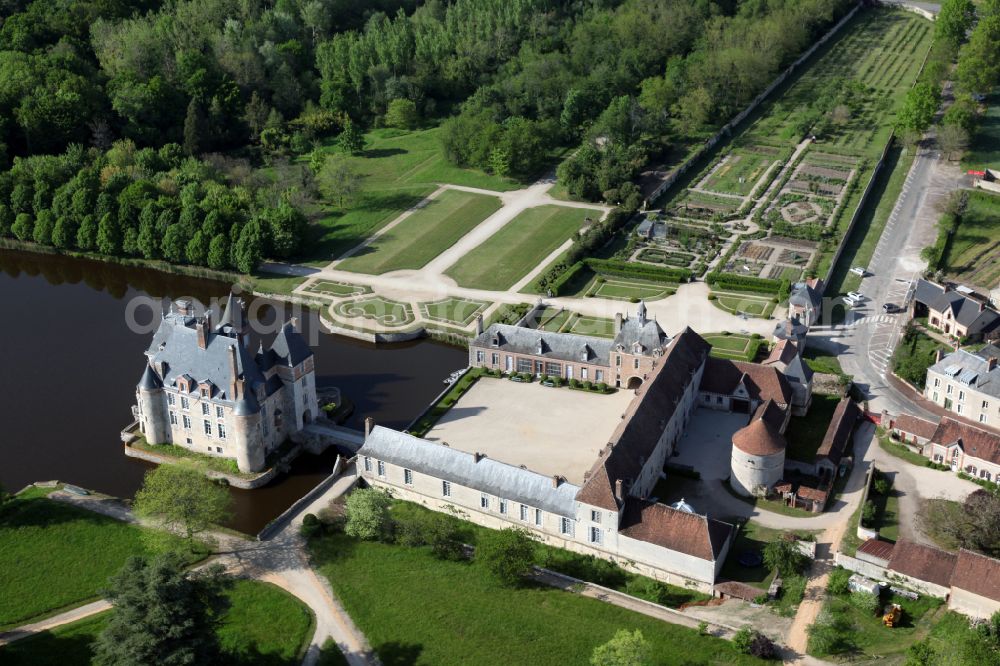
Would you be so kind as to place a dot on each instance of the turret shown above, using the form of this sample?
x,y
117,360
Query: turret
x,y
246,432
152,407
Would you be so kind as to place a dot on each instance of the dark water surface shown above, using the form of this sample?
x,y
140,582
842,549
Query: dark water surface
x,y
70,364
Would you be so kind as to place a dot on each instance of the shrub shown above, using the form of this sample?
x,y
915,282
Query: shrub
x,y
882,486
587,385
633,299
574,383
641,271
444,538
602,387
865,601
742,639
410,530
784,556
867,514
712,297
729,281
310,525
702,628
762,647
507,554
368,514
838,581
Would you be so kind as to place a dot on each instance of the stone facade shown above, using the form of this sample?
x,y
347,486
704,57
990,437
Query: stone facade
x,y
967,384
203,389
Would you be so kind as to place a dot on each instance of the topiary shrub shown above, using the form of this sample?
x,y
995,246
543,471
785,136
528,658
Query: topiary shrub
x,y
602,387
310,525
574,383
587,385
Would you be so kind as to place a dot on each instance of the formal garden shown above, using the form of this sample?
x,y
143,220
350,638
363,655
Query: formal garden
x,y
382,311
735,346
456,311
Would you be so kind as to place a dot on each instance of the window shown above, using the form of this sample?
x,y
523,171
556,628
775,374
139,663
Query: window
x,y
204,391
986,404
553,369
984,474
595,516
618,360
584,373
218,411
538,517
982,418
636,364
961,395
935,397
187,440
408,477
937,382
187,422
495,359
949,389
524,365
566,526
208,427
524,513
173,418
184,403
480,356
368,464
539,367
595,535
484,501
599,375
958,408
446,488
218,449
204,408
381,468
221,427
170,399
503,507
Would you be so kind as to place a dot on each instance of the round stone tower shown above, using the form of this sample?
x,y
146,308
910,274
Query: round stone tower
x,y
154,422
246,440
758,458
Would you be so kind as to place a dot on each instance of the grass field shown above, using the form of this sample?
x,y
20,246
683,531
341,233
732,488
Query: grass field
x,y
598,326
863,636
742,165
53,555
397,170
628,289
518,247
339,289
273,283
381,310
805,433
461,311
821,361
264,626
973,252
423,235
736,303
984,148
734,346
552,319
416,609
753,537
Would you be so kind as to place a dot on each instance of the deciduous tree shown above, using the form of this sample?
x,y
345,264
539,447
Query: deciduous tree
x,y
506,554
626,648
368,514
183,498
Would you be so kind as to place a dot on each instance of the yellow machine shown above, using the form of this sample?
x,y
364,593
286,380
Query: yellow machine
x,y
893,616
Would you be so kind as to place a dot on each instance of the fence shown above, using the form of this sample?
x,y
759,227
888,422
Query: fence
x,y
727,129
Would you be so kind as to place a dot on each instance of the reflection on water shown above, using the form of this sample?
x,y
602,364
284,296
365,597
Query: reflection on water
x,y
71,364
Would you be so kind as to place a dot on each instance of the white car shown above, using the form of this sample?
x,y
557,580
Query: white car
x,y
859,270
856,296
850,302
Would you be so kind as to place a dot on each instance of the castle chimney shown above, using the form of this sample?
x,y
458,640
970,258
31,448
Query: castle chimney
x,y
234,370
184,307
369,424
618,323
618,491
991,363
294,321
556,480
982,306
479,456
938,355
479,324
201,326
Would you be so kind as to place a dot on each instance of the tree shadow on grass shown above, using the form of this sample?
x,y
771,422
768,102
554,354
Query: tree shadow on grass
x,y
43,512
374,153
395,653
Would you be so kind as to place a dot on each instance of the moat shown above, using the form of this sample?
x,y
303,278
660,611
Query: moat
x,y
72,364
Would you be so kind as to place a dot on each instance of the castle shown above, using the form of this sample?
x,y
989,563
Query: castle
x,y
203,389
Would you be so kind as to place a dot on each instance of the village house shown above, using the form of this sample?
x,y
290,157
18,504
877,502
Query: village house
x,y
967,383
786,357
963,446
806,301
953,312
204,390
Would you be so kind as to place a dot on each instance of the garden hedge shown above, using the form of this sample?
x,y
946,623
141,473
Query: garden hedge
x,y
557,285
728,281
640,271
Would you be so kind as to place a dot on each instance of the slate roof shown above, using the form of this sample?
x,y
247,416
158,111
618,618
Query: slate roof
x,y
915,426
876,548
967,311
150,381
487,475
647,416
642,330
838,433
688,533
290,348
922,562
762,436
974,441
805,296
792,329
763,382
971,370
556,346
977,574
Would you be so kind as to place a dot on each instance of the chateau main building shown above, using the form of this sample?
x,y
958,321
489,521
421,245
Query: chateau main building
x,y
204,389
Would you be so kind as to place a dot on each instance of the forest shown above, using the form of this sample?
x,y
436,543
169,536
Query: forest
x,y
139,127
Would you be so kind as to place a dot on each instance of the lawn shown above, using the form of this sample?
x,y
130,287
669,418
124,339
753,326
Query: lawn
x,y
896,449
805,433
734,346
460,311
397,170
972,255
739,173
984,149
274,283
263,626
518,247
597,326
381,310
627,289
54,556
416,609
552,319
863,636
339,289
753,537
425,234
736,303
914,354
821,361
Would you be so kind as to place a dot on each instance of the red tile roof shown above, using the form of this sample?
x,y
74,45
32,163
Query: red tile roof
x,y
784,352
762,436
922,562
915,425
814,494
763,382
975,442
838,434
977,574
688,533
877,548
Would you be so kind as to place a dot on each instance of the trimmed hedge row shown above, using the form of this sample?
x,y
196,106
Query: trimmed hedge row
x,y
728,281
556,286
640,271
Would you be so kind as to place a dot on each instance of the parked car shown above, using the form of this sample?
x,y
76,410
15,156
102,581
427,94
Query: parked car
x,y
856,296
890,307
860,270
850,302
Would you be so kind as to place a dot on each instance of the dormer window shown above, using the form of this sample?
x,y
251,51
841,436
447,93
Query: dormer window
x,y
495,342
